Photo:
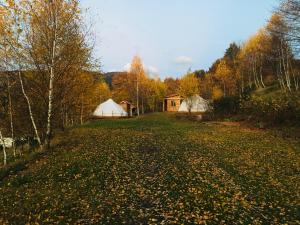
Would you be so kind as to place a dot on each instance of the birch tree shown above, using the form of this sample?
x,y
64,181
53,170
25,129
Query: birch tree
x,y
137,72
4,66
12,36
283,54
255,51
289,12
57,47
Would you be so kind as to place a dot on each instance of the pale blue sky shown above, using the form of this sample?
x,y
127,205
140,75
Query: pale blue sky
x,y
172,36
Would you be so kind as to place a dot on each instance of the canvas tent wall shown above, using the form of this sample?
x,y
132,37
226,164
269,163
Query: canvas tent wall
x,y
198,104
109,109
8,142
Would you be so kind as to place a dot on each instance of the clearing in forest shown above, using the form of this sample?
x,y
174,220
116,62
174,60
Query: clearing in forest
x,y
156,169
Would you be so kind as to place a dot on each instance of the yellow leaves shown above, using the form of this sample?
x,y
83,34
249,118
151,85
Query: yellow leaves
x,y
217,93
137,68
258,44
223,70
189,86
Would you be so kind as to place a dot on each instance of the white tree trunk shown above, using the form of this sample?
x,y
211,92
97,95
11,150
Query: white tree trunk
x,y
137,95
50,100
4,149
81,113
260,71
10,103
285,69
30,110
261,78
52,75
11,115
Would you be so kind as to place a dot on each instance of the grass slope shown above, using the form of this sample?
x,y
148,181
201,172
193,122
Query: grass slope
x,y
158,170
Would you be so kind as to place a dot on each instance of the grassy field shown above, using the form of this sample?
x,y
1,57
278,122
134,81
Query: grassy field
x,y
158,170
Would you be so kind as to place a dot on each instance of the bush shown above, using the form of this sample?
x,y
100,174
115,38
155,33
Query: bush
x,y
276,109
227,105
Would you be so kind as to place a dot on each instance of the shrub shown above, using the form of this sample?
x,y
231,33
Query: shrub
x,y
276,109
227,105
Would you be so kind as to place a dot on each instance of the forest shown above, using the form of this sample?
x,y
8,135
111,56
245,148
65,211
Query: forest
x,y
50,79
238,165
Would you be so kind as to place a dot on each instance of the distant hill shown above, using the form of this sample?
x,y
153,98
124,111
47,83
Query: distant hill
x,y
106,77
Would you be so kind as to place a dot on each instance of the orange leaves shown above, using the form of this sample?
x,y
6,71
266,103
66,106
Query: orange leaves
x,y
256,47
217,93
223,70
189,86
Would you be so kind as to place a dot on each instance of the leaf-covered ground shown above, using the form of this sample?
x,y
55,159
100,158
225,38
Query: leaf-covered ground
x,y
157,170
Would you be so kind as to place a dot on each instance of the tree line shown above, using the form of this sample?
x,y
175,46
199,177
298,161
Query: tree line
x,y
46,59
45,53
269,57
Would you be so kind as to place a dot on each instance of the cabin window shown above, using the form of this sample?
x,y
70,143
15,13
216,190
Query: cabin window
x,y
173,103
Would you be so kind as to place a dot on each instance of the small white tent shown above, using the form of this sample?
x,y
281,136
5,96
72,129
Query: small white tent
x,y
109,109
8,142
198,104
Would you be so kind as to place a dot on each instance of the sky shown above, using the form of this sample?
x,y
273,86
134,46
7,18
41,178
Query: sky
x,y
171,36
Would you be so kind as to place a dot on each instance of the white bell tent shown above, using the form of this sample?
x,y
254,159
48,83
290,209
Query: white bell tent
x,y
197,103
109,109
8,142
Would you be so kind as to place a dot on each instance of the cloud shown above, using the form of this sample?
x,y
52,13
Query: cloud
x,y
126,67
183,60
152,70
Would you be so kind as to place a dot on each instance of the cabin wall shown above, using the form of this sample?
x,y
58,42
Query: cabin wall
x,y
172,105
126,107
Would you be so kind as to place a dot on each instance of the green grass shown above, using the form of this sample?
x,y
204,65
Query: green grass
x,y
158,170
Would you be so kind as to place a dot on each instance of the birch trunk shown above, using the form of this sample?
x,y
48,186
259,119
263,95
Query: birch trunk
x,y
11,116
260,72
255,74
30,110
261,78
81,113
4,149
143,110
285,70
279,76
295,79
52,74
137,95
10,104
243,82
50,100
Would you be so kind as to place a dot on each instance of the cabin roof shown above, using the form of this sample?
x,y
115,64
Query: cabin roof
x,y
127,102
173,96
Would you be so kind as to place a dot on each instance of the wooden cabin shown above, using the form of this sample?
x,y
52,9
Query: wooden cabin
x,y
128,107
172,103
